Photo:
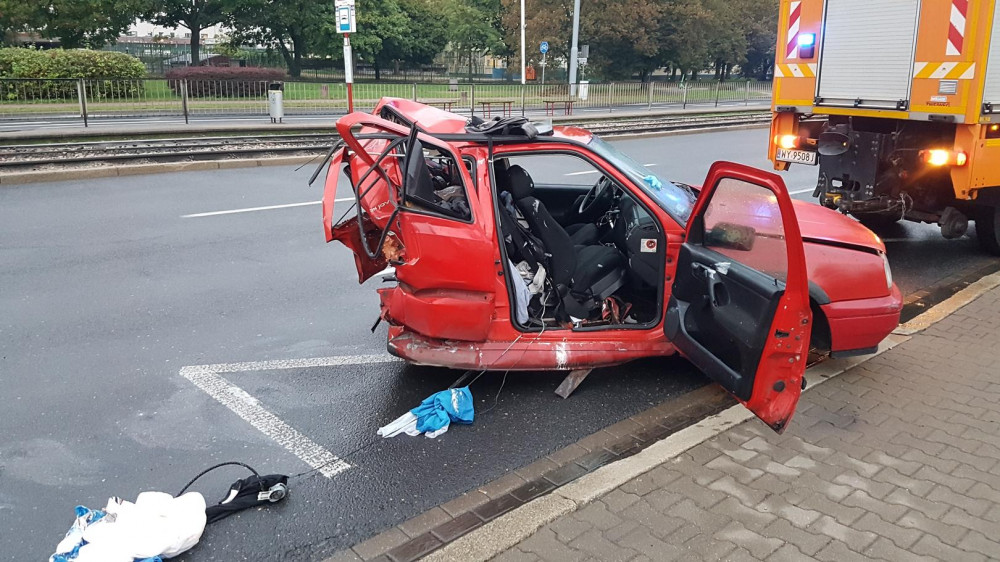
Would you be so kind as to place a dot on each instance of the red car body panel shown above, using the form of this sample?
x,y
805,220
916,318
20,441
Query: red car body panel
x,y
452,308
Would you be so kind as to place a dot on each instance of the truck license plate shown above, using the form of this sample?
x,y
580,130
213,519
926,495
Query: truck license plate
x,y
797,156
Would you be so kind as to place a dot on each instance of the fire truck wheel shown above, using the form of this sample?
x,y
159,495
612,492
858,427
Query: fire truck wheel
x,y
988,229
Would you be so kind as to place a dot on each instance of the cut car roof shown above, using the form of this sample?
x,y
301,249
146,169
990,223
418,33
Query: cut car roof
x,y
438,122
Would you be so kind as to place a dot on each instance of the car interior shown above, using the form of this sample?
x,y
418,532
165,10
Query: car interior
x,y
580,257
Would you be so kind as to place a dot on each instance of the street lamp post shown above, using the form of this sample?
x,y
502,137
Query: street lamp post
x,y
574,49
523,64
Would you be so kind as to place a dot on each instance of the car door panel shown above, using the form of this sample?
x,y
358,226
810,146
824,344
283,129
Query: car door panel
x,y
445,266
730,328
739,307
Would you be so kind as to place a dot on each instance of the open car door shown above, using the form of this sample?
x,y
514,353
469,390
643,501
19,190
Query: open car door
x,y
739,309
415,210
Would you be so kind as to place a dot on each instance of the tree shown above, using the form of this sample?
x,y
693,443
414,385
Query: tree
x,y
293,27
195,15
623,36
394,32
545,20
76,23
470,30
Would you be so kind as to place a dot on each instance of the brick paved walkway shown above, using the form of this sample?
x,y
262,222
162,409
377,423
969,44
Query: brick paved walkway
x,y
897,459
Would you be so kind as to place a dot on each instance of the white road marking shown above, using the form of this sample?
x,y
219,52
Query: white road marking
x,y
284,364
208,378
798,191
597,171
254,209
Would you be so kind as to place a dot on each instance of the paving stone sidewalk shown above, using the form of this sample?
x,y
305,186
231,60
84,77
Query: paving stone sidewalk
x,y
896,459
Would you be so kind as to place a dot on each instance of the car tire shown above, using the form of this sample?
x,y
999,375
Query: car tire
x,y
988,229
877,222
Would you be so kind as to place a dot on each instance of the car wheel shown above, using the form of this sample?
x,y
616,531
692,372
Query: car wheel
x,y
877,221
988,229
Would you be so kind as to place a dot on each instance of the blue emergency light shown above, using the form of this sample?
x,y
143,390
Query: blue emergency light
x,y
807,45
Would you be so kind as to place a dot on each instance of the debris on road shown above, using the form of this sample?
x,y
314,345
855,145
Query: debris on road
x,y
434,415
156,526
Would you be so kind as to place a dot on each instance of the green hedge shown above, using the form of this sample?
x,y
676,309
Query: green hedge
x,y
37,74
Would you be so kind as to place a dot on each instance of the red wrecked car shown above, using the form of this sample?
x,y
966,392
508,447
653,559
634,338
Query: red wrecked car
x,y
525,247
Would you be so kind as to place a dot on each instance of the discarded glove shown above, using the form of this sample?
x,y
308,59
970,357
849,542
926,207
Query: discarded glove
x,y
156,525
434,415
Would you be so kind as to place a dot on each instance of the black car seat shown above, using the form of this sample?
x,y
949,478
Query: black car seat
x,y
584,275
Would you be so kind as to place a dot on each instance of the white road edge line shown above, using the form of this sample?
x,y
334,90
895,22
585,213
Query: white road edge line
x,y
241,403
798,191
254,209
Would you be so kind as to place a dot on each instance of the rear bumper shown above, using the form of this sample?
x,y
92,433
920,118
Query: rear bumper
x,y
859,325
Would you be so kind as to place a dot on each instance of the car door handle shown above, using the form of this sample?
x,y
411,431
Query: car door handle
x,y
718,296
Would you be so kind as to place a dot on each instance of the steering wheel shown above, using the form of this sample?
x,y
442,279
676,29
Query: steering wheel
x,y
598,199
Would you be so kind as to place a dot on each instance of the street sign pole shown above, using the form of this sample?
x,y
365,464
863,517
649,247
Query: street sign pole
x,y
347,24
349,72
544,48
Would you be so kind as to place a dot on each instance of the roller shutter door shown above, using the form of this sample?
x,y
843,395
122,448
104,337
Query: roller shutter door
x,y
868,52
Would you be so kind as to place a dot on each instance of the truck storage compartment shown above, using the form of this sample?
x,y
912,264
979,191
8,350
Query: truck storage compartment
x,y
867,53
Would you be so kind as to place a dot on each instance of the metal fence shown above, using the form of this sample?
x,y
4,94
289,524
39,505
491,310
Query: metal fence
x,y
85,99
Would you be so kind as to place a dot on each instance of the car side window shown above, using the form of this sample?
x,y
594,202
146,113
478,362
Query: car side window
x,y
436,187
743,222
557,169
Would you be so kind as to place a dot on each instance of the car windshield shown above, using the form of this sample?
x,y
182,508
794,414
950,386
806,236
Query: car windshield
x,y
676,200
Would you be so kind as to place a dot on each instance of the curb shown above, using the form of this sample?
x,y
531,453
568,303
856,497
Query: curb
x,y
22,178
505,532
498,536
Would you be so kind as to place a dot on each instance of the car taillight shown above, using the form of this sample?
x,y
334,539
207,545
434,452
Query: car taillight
x,y
941,157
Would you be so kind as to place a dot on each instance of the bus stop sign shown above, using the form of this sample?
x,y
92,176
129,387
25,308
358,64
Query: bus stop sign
x,y
346,21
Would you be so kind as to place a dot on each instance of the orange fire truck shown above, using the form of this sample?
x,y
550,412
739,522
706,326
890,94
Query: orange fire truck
x,y
898,104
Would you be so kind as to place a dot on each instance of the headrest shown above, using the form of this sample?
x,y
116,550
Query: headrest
x,y
521,184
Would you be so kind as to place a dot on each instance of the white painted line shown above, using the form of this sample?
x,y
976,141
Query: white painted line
x,y
249,210
598,171
255,209
284,364
806,190
249,408
207,378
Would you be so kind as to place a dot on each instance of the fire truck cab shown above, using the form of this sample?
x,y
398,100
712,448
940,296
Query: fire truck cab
x,y
894,103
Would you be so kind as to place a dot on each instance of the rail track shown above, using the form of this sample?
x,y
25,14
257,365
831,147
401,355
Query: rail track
x,y
83,154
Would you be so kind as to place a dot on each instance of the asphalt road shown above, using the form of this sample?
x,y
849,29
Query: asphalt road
x,y
106,291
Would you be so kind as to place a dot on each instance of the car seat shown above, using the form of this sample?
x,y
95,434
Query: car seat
x,y
583,275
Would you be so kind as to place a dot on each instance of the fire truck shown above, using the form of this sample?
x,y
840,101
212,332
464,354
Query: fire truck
x,y
897,102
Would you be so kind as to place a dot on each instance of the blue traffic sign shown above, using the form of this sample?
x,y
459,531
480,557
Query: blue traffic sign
x,y
544,47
